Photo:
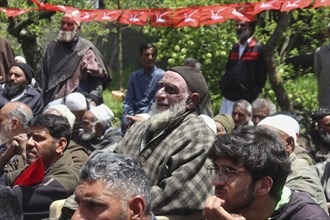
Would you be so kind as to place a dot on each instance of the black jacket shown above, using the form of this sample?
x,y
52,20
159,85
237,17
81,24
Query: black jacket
x,y
244,77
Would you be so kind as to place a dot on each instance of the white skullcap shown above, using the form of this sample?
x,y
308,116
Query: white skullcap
x,y
76,101
284,123
20,59
65,112
103,114
209,122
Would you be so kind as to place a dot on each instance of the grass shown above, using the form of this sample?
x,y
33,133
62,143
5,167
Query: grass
x,y
115,106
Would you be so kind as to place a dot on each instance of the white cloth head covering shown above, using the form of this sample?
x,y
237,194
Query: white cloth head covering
x,y
76,101
284,123
103,114
65,112
209,122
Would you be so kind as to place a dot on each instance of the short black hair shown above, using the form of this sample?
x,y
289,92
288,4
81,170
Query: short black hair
x,y
147,46
57,125
10,208
259,150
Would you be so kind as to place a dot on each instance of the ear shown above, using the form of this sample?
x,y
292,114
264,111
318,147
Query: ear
x,y
137,207
264,185
61,145
14,123
289,144
193,100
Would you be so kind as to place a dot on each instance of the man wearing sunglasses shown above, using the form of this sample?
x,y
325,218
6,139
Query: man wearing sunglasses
x,y
249,171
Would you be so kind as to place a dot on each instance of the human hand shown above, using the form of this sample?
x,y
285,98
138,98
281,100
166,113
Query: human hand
x,y
213,210
19,141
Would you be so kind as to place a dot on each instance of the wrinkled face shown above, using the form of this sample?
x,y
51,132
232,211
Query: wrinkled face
x,y
88,123
97,203
41,144
240,116
16,76
172,90
68,29
148,58
238,190
325,124
259,113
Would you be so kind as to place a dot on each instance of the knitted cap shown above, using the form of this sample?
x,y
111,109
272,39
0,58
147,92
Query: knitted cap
x,y
76,101
27,69
226,121
103,114
194,79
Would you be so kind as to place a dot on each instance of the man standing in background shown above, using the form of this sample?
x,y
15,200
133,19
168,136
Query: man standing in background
x,y
246,71
322,71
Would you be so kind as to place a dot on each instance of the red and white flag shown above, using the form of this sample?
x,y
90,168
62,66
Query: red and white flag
x,y
107,15
87,15
14,12
186,17
135,17
268,5
321,3
161,17
289,5
213,14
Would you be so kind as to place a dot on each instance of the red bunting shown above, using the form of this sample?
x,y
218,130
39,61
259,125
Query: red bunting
x,y
193,16
134,17
87,15
268,5
107,15
186,17
32,175
161,17
213,14
320,3
294,4
14,12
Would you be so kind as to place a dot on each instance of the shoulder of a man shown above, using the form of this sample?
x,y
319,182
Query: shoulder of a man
x,y
301,206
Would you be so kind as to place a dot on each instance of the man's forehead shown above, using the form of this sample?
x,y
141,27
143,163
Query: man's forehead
x,y
173,77
37,130
223,161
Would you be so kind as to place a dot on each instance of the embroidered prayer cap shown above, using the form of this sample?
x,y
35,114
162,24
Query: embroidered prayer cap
x,y
226,121
103,114
75,14
64,111
76,101
284,123
194,79
27,69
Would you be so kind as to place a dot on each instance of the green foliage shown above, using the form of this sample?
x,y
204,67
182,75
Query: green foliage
x,y
115,106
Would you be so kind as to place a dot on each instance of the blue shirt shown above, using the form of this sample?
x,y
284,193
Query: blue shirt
x,y
141,91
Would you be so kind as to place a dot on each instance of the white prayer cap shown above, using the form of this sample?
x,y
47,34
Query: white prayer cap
x,y
284,123
64,111
76,101
103,114
20,59
209,122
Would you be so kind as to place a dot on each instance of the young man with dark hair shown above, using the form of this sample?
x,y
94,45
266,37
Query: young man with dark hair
x,y
249,172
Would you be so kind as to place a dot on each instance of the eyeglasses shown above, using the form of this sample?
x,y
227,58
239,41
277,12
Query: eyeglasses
x,y
222,172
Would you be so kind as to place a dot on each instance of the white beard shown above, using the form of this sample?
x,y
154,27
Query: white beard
x,y
86,136
66,36
160,118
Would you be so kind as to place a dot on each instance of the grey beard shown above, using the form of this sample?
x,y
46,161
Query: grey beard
x,y
160,119
66,36
86,136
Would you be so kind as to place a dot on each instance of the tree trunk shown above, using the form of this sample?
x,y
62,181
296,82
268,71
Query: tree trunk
x,y
275,79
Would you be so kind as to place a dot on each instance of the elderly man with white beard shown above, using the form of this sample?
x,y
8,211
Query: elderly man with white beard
x,y
172,145
97,132
72,64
